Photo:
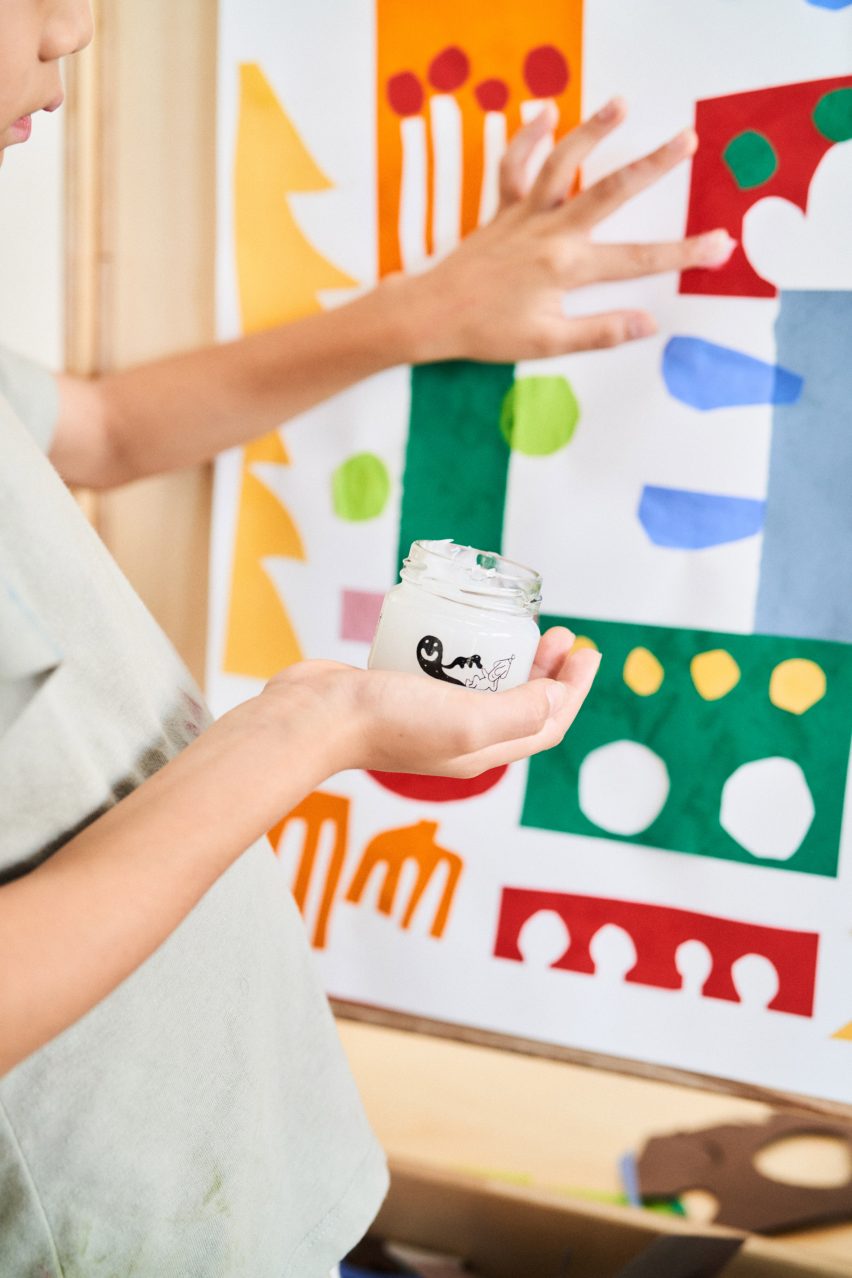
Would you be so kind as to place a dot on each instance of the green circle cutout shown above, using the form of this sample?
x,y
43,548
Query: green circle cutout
x,y
751,158
539,415
833,115
360,487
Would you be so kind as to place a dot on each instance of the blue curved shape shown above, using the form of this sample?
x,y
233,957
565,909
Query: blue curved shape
x,y
707,376
830,4
686,520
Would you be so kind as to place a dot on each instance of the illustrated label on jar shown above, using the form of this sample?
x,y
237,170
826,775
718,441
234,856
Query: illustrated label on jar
x,y
430,657
424,637
461,616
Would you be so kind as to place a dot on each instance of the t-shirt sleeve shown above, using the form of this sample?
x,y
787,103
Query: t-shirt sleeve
x,y
33,394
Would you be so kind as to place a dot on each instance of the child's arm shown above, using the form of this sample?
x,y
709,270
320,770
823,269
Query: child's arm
x,y
75,927
498,297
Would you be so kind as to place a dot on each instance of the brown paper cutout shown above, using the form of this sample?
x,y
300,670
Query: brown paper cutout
x,y
720,1160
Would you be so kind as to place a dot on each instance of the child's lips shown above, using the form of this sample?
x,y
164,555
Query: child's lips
x,y
22,128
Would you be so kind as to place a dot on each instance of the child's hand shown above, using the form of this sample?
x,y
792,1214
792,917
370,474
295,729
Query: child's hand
x,y
498,297
396,722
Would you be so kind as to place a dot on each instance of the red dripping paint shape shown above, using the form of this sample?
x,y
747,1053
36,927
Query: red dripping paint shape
x,y
546,71
438,789
405,93
492,95
449,69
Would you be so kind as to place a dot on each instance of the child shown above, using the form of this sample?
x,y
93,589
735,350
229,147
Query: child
x,y
174,1100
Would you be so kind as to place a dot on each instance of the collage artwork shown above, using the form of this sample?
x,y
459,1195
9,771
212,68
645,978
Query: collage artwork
x,y
672,885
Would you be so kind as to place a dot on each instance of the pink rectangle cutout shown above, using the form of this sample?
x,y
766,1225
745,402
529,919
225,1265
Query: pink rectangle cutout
x,y
360,615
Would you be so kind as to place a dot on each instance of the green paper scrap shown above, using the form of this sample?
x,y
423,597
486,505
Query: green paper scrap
x,y
665,1207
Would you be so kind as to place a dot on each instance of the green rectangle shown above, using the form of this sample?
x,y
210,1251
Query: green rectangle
x,y
457,461
702,742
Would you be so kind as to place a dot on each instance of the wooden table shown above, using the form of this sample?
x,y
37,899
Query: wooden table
x,y
547,1124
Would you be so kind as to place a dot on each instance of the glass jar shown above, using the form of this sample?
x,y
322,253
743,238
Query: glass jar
x,y
460,615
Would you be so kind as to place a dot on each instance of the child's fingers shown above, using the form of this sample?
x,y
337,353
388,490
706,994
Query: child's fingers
x,y
564,697
577,674
553,648
629,261
513,166
559,170
488,720
604,197
598,332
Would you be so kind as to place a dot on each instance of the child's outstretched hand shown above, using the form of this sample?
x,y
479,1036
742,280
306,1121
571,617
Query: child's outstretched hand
x,y
388,721
499,295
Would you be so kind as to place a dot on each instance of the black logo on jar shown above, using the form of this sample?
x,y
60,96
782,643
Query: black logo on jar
x,y
430,658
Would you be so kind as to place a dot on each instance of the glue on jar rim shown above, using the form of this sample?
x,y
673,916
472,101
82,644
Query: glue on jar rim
x,y
462,616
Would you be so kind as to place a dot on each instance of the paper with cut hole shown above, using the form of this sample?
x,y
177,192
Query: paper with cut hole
x,y
720,1160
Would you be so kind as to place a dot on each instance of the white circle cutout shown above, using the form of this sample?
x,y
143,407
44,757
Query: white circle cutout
x,y
767,807
623,787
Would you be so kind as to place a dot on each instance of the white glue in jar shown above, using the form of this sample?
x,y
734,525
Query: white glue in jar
x,y
460,615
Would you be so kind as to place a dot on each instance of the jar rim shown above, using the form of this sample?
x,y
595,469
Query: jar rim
x,y
479,577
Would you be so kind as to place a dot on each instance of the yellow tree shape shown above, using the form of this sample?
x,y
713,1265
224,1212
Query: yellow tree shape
x,y
279,274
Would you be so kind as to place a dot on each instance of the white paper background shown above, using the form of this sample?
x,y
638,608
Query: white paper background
x,y
661,55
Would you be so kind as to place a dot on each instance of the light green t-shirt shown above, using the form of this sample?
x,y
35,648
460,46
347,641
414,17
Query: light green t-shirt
x,y
201,1121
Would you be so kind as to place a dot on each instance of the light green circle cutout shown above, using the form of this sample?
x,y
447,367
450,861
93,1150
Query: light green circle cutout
x,y
360,487
539,415
833,115
751,158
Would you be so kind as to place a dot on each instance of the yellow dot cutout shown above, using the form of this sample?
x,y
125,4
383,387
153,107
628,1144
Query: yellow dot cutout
x,y
796,685
714,674
643,673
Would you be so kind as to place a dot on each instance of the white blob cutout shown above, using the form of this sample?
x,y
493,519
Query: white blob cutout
x,y
412,197
613,953
446,125
767,807
543,939
530,109
493,150
796,250
695,963
623,787
756,981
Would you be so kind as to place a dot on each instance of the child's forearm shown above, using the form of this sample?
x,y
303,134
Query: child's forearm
x,y
187,408
497,297
74,928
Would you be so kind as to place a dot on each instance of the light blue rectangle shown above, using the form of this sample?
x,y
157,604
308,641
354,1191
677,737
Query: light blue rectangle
x,y
805,585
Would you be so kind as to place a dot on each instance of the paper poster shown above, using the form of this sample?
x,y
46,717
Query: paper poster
x,y
672,884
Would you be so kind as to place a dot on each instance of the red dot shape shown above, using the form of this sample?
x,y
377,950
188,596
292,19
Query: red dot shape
x,y
438,789
546,71
492,95
449,69
405,93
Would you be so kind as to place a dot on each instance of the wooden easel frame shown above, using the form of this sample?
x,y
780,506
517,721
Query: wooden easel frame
x,y
140,254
